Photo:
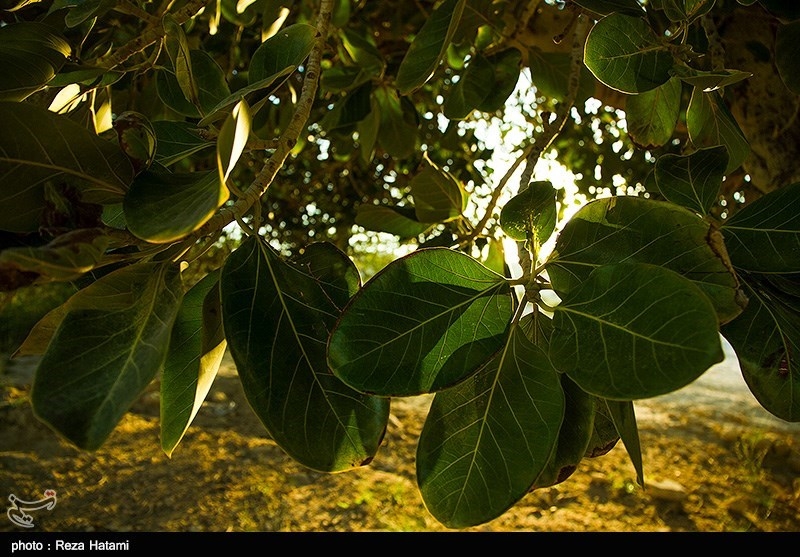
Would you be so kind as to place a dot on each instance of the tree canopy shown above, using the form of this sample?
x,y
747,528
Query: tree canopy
x,y
209,175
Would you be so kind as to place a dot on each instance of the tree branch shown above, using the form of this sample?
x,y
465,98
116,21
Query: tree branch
x,y
288,138
151,34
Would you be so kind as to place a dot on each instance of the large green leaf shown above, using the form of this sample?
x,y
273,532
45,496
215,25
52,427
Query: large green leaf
x,y
473,86
618,229
438,196
196,348
177,47
710,123
162,207
177,140
766,339
429,46
634,330
653,115
397,131
110,344
277,316
31,54
506,67
211,88
66,258
625,53
764,236
399,221
486,440
232,139
692,181
286,49
531,214
38,146
422,324
574,435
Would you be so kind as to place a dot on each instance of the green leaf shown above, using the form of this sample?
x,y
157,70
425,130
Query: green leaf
x,y
277,316
619,229
429,46
574,435
177,47
653,115
137,139
362,51
686,10
634,330
392,220
623,415
506,67
766,339
425,322
605,7
531,214
550,73
624,53
709,81
285,50
66,258
486,440
177,140
88,378
692,181
472,88
604,433
38,146
162,207
232,140
397,132
764,236
31,54
438,196
710,123
197,345
211,88
786,59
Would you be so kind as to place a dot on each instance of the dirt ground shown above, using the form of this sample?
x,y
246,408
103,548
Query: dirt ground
x,y
706,470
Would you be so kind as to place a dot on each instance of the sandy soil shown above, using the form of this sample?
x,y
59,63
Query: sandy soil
x,y
714,462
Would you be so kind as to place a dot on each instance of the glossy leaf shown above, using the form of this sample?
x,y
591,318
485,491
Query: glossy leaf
x,y
277,316
232,139
392,220
397,133
287,49
766,339
686,10
786,59
177,46
66,258
31,54
653,115
161,207
177,140
197,346
411,328
624,53
429,46
108,347
623,415
487,439
471,90
692,181
709,81
531,214
38,145
438,196
764,236
605,7
710,123
634,330
619,229
574,435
